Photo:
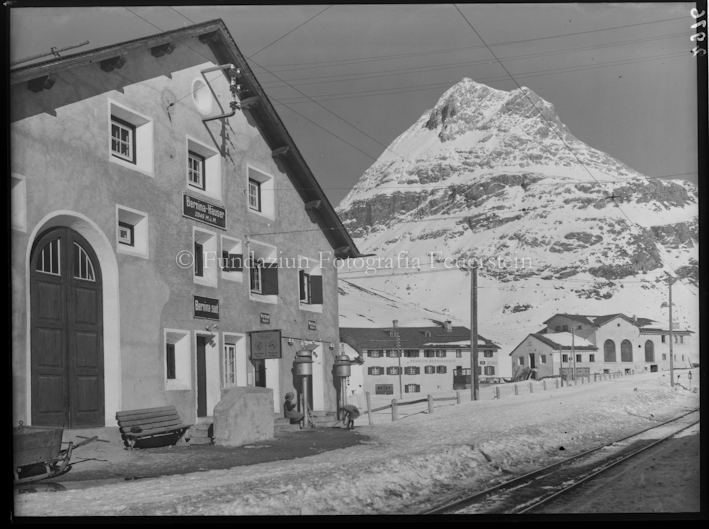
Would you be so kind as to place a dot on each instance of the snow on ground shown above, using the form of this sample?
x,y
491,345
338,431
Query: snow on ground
x,y
407,466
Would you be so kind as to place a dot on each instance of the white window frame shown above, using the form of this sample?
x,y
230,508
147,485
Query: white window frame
x,y
212,168
183,359
18,202
260,252
254,194
129,144
232,246
267,185
142,160
238,341
139,221
195,168
210,261
313,268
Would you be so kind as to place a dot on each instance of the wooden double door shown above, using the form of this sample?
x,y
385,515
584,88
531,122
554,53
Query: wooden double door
x,y
67,376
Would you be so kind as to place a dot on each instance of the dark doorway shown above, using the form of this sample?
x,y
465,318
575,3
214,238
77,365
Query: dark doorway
x,y
532,362
201,376
259,373
66,299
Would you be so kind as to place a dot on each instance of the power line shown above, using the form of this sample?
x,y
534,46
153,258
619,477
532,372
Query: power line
x,y
299,66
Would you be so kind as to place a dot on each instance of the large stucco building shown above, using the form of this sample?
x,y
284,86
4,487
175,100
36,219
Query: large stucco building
x,y
162,215
418,359
608,343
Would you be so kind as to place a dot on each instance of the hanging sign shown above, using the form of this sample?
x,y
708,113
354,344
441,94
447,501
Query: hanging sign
x,y
207,308
265,344
197,209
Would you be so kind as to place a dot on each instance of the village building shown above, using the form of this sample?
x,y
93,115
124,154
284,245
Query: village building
x,y
599,344
169,242
417,359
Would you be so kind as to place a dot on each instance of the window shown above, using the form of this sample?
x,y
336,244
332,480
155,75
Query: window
x,y
310,284
578,358
521,360
206,264
392,371
178,365
263,272
427,334
411,353
261,194
566,328
254,195
626,351
649,351
130,138
459,354
83,267
125,234
412,388
578,327
412,370
558,328
676,338
441,369
374,354
564,358
132,232
543,359
229,367
50,257
232,259
609,351
664,356
204,168
663,338
392,354
170,359
681,338
682,357
489,370
440,353
375,370
591,358
195,170
122,139
488,354
429,370
429,353
384,389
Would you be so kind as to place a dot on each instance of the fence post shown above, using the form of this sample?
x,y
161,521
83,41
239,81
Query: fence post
x,y
556,382
497,392
516,390
531,387
457,397
394,411
544,384
369,408
430,403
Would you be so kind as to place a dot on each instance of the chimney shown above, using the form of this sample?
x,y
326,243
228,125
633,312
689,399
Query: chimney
x,y
396,324
448,326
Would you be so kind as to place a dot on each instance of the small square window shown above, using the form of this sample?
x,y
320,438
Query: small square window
x,y
254,195
122,139
125,234
543,359
591,358
578,358
564,358
459,354
441,369
195,170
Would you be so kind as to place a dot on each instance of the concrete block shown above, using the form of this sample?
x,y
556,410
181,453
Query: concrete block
x,y
243,416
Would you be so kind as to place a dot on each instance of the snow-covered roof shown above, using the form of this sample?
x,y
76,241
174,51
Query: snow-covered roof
x,y
462,343
561,341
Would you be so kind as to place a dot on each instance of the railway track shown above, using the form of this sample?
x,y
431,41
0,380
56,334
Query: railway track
x,y
529,492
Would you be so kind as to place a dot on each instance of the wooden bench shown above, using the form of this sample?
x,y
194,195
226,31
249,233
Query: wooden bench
x,y
151,427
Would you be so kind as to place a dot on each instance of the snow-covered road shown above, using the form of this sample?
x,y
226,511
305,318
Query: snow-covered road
x,y
408,465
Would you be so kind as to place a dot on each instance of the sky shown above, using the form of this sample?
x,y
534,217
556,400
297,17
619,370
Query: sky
x,y
348,79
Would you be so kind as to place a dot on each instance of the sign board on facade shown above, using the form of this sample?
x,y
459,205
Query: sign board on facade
x,y
265,344
197,209
207,308
265,317
311,325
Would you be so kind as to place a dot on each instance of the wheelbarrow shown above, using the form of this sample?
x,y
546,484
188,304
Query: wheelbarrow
x,y
38,454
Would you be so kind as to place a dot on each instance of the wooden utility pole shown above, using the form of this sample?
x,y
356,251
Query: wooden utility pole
x,y
474,333
573,355
672,370
398,354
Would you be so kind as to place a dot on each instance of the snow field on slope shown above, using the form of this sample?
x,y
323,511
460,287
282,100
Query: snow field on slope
x,y
407,465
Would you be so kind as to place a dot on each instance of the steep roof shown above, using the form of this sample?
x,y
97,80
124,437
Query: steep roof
x,y
220,41
602,320
576,317
560,341
362,338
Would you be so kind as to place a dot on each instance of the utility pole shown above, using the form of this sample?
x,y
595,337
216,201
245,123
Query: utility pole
x,y
474,333
398,355
573,355
561,364
672,370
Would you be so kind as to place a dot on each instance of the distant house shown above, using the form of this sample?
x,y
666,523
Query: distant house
x,y
417,359
612,342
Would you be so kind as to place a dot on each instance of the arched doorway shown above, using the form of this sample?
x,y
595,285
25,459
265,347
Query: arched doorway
x,y
66,331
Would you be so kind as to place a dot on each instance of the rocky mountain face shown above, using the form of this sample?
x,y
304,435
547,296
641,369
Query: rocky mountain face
x,y
495,175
